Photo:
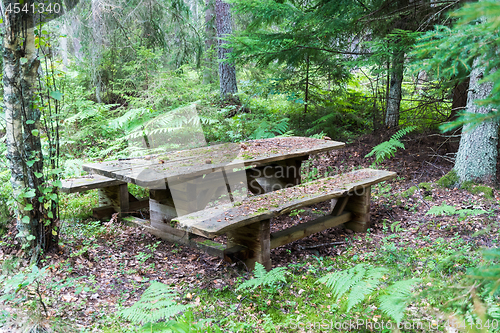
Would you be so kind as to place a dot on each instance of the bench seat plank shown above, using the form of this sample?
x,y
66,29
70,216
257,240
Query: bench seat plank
x,y
213,222
86,183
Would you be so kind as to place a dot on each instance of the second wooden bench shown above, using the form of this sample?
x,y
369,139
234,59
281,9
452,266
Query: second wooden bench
x,y
247,224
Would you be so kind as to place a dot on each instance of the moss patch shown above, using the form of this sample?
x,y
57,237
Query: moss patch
x,y
449,180
487,191
425,186
474,188
409,192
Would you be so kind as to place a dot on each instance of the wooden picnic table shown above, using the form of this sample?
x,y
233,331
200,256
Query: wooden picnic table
x,y
182,182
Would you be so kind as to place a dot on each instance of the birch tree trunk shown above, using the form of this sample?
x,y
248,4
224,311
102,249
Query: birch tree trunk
x,y
394,96
23,127
227,72
22,122
477,154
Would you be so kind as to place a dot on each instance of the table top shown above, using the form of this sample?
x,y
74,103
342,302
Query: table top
x,y
188,164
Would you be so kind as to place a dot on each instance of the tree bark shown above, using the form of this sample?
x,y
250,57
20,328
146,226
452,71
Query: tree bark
x,y
394,96
23,129
477,154
210,33
227,72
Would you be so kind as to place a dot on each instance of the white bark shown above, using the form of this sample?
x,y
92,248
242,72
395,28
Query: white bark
x,y
477,154
20,71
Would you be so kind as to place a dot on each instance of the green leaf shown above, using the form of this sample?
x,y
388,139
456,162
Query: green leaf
x,y
54,232
57,183
57,95
50,215
30,237
29,122
38,175
29,194
23,61
26,220
28,207
35,132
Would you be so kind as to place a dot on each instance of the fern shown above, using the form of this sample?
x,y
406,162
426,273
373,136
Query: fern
x,y
447,210
156,304
387,149
266,130
394,303
264,278
361,280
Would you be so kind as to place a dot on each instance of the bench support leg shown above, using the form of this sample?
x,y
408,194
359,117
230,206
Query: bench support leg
x,y
255,238
359,205
115,196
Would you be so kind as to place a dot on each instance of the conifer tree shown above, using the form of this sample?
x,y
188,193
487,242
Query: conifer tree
x,y
227,71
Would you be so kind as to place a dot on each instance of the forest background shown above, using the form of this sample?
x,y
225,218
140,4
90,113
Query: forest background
x,y
114,70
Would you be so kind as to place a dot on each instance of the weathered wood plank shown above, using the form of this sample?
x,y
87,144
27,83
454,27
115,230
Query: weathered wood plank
x,y
306,229
209,224
86,183
207,245
147,173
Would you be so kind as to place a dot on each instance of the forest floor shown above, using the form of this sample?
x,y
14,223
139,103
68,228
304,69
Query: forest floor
x,y
100,268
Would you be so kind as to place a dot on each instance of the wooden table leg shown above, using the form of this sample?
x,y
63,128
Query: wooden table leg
x,y
359,205
113,199
255,238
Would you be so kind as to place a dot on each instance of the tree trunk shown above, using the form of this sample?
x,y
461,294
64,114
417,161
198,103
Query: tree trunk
x,y
477,154
227,72
23,129
394,96
210,33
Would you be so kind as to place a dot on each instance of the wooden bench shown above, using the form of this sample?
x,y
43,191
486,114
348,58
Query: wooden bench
x,y
247,223
113,194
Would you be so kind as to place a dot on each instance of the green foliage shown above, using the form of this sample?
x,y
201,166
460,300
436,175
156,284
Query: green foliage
x,y
156,303
447,210
24,288
387,149
264,278
360,280
488,273
363,281
450,53
266,130
394,303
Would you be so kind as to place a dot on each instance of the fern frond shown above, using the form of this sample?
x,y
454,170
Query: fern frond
x,y
387,149
156,304
365,287
340,282
444,209
394,303
264,278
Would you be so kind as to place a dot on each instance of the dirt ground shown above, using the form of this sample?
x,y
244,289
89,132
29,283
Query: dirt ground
x,y
114,270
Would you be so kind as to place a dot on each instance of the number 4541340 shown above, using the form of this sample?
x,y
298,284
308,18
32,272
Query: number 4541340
x,y
40,8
